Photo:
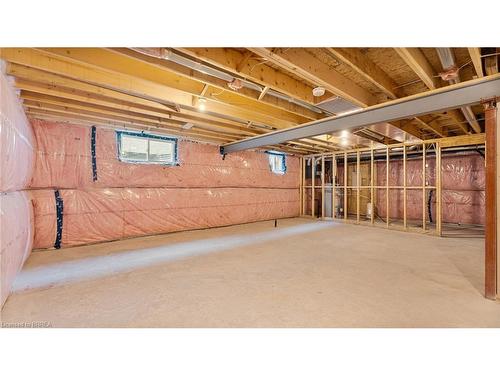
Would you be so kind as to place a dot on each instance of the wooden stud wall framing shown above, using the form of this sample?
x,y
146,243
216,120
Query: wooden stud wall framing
x,y
372,189
334,177
387,187
358,183
313,178
356,186
345,186
438,190
424,183
323,187
301,186
404,189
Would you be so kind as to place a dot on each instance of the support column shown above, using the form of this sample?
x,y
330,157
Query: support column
x,y
492,200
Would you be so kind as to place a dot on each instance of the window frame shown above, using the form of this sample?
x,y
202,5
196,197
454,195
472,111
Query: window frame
x,y
283,156
148,136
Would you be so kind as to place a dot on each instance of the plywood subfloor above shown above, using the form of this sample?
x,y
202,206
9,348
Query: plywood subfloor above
x,y
304,273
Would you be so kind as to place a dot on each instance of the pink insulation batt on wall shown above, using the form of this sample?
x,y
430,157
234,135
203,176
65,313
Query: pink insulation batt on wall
x,y
16,166
463,182
16,239
64,161
115,213
16,137
131,199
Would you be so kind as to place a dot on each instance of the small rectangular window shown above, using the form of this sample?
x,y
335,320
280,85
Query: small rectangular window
x,y
277,162
146,148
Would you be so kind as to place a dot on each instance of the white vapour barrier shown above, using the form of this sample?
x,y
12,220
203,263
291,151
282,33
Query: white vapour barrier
x,y
16,149
16,236
16,167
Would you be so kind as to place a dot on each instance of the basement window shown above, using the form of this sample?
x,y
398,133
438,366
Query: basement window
x,y
146,148
277,162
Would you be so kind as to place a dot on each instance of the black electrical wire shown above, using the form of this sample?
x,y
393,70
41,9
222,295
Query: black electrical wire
x,y
429,205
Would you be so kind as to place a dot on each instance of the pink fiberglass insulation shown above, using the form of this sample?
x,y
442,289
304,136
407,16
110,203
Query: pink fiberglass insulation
x,y
463,181
130,199
16,148
64,161
16,239
63,156
115,213
16,168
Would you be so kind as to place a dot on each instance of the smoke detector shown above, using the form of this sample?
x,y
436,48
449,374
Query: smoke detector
x,y
235,84
319,91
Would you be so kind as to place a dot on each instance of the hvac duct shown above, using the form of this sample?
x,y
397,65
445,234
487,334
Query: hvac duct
x,y
452,75
165,54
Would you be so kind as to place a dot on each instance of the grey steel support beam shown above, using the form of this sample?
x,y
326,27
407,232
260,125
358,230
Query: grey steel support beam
x,y
445,98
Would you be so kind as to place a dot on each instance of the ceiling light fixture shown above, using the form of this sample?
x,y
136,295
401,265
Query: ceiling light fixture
x,y
202,104
319,91
235,84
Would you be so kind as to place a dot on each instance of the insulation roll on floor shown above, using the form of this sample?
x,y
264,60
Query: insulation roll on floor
x,y
16,236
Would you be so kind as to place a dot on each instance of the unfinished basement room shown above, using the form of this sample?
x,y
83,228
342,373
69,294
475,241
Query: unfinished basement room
x,y
250,187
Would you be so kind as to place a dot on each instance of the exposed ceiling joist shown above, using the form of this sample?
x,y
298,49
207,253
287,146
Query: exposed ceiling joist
x,y
124,118
416,60
42,87
447,58
433,128
222,58
195,71
300,62
34,80
104,109
465,93
253,69
353,58
120,62
491,63
132,85
475,55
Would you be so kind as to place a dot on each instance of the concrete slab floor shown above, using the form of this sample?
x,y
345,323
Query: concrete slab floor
x,y
304,273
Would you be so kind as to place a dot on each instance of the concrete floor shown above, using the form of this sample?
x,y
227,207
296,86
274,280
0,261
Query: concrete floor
x,y
302,274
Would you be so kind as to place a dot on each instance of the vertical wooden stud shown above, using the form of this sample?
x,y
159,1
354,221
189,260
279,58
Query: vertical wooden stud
x,y
313,186
345,186
387,186
301,185
438,190
334,176
424,190
372,182
323,187
405,224
358,183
